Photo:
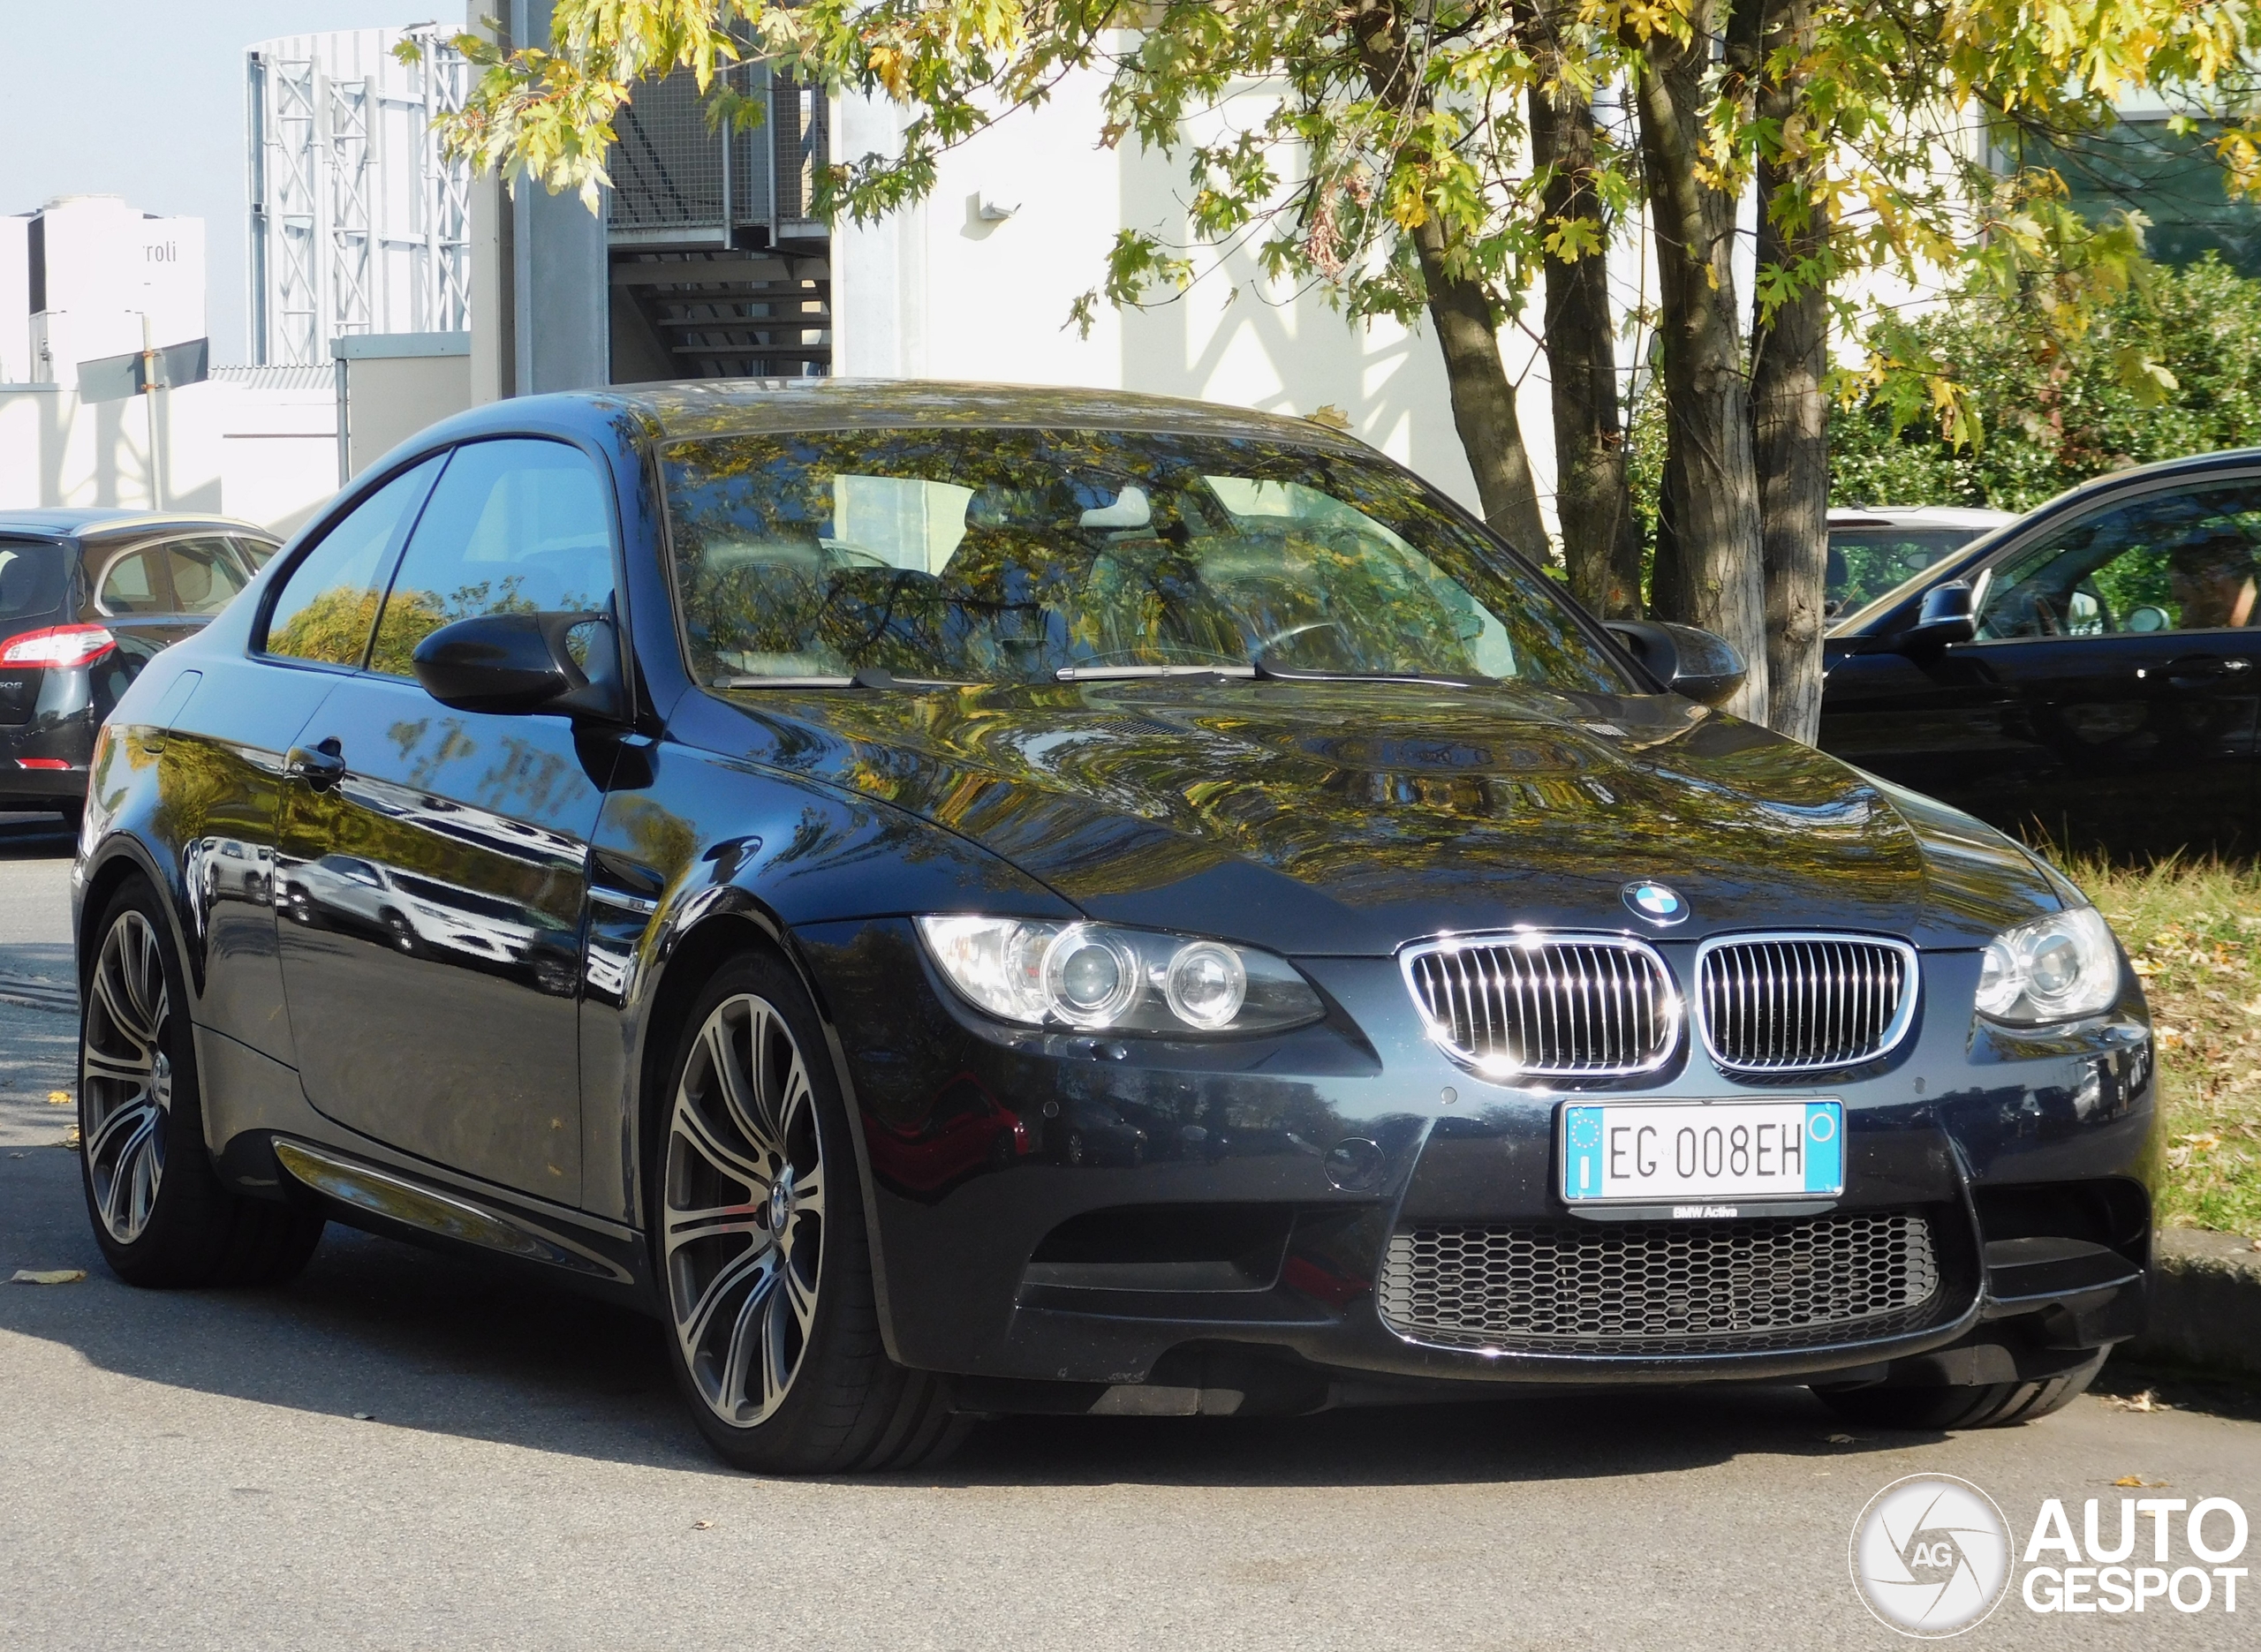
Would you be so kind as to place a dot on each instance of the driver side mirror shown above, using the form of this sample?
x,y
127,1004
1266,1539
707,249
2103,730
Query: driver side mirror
x,y
1949,615
1702,665
563,663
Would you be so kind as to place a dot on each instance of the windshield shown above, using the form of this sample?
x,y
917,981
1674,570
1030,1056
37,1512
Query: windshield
x,y
1038,556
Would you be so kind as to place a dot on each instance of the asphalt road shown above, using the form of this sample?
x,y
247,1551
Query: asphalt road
x,y
403,1450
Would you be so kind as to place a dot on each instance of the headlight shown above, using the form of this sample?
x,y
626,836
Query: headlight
x,y
2058,968
1095,975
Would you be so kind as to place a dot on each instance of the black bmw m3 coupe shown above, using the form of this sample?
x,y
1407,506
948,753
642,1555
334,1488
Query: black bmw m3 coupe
x,y
962,900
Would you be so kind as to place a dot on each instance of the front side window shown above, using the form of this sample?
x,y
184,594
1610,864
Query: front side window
x,y
2182,560
1031,556
514,526
327,604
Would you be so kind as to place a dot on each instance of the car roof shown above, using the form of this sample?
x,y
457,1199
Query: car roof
x,y
723,407
1918,516
78,520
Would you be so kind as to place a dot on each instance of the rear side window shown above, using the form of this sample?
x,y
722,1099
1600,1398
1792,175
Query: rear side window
x,y
31,578
327,604
135,583
206,575
514,527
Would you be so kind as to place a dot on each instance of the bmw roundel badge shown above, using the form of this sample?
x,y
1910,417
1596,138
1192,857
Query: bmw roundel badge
x,y
1658,903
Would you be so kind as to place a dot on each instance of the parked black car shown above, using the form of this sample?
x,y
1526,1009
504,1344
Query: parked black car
x,y
918,779
87,596
2087,674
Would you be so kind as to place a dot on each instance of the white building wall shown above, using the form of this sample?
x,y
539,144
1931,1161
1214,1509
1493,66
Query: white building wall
x,y
106,266
940,292
266,452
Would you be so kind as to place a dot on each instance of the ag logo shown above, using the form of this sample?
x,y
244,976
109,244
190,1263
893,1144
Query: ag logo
x,y
1659,903
1930,1555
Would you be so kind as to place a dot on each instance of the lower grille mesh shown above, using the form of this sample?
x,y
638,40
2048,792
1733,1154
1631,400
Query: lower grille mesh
x,y
1660,1287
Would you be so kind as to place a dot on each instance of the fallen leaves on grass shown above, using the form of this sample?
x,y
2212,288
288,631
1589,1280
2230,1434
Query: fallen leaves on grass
x,y
47,1276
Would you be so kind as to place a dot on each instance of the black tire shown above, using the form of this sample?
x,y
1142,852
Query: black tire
x,y
165,1219
844,1406
1977,1406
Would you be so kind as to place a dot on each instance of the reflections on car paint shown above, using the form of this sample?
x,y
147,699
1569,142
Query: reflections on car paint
x,y
412,890
1376,799
962,1131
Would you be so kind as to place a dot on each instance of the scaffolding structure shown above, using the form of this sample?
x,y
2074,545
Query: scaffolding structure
x,y
358,222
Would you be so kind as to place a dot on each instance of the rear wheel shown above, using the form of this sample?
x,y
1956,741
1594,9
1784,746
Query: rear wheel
x,y
759,1241
161,1213
1975,1405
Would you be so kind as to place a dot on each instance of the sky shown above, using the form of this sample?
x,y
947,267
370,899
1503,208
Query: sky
x,y
145,99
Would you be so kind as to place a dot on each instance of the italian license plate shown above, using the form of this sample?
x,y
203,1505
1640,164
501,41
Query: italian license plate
x,y
1701,1153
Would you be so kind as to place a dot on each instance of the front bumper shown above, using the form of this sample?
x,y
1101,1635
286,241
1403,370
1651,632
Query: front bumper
x,y
1117,1214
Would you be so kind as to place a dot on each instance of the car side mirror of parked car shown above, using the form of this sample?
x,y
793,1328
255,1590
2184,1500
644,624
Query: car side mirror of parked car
x,y
1702,665
1949,615
562,663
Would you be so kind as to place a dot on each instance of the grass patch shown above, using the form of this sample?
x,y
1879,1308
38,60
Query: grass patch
x,y
2194,933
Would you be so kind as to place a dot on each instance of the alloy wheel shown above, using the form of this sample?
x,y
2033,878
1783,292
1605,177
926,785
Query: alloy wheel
x,y
742,1211
125,1078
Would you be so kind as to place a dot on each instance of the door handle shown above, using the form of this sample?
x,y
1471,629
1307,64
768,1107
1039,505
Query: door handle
x,y
2192,670
321,766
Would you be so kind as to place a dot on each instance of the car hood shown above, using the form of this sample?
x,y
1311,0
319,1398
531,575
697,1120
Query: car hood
x,y
1348,818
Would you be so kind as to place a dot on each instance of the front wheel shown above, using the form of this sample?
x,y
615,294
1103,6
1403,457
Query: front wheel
x,y
760,1243
1973,1406
159,1212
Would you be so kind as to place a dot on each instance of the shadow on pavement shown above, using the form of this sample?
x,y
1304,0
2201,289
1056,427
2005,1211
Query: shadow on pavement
x,y
425,1342
35,837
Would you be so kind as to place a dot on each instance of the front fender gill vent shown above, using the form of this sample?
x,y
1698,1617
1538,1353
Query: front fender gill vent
x,y
1646,1288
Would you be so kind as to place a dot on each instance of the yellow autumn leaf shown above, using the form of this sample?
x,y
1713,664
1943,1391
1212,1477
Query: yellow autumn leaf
x,y
47,1276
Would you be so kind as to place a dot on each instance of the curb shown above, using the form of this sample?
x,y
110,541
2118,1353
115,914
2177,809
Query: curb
x,y
2206,1305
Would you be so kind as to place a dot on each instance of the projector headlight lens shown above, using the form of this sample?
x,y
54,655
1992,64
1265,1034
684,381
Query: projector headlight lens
x,y
2058,968
1095,975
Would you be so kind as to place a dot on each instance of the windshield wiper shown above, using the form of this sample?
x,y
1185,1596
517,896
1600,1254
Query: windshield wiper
x,y
1266,670
1125,674
869,677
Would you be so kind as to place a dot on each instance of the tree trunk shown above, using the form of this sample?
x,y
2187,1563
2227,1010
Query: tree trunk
x,y
1789,417
1601,543
1710,484
1483,401
1468,330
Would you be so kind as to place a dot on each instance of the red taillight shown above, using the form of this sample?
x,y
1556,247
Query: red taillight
x,y
59,647
42,763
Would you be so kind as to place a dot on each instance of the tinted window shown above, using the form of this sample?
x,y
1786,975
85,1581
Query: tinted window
x,y
256,553
513,527
31,578
2179,561
206,575
1015,555
328,602
1866,563
135,583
